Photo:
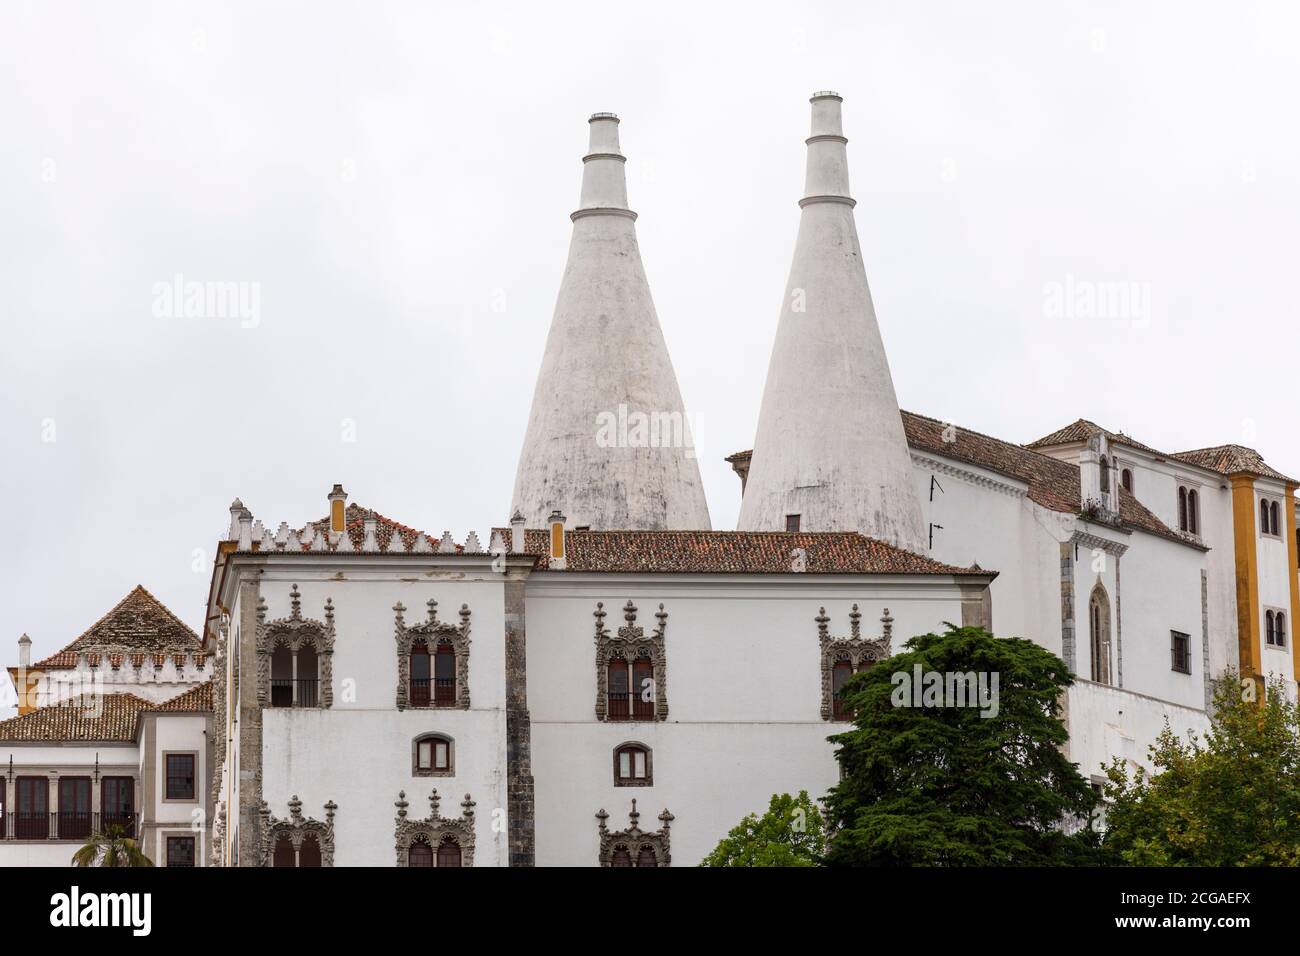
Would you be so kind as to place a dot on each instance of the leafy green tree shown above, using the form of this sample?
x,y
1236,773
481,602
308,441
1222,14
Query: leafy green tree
x,y
790,833
111,848
960,786
1229,799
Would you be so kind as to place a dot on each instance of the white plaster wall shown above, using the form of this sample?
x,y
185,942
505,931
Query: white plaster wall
x,y
37,853
744,697
180,733
987,519
1160,592
1106,721
358,753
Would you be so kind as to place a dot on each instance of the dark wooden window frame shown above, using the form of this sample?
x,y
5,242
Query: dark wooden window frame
x,y
1180,652
180,841
169,777
632,747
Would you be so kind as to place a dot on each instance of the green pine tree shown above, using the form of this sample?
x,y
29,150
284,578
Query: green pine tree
x,y
945,786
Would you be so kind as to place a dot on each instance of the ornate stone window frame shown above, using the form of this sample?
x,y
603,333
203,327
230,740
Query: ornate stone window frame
x,y
433,632
416,771
296,828
296,631
434,829
855,649
629,644
634,839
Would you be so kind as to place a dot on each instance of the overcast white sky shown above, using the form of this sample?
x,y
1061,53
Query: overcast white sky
x,y
397,179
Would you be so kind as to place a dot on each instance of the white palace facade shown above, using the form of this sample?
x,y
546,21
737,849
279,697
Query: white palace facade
x,y
604,679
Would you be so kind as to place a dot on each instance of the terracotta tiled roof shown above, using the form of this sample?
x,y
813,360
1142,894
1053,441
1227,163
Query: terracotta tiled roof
x,y
1083,430
730,552
91,717
1231,460
354,520
197,699
1053,484
99,717
139,622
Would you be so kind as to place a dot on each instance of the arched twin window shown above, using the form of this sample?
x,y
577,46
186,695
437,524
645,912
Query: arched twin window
x,y
432,675
622,856
306,854
1189,510
1275,628
421,854
630,689
295,676
840,674
1270,517
1126,479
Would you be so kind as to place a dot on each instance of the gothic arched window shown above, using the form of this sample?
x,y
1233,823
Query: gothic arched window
x,y
1182,508
1099,634
840,674
420,854
448,852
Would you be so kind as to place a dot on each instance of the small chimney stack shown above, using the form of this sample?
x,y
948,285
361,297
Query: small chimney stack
x,y
245,530
236,511
24,652
517,532
338,499
556,522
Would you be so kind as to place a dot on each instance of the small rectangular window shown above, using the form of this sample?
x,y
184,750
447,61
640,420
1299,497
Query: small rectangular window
x,y
1180,652
180,777
625,765
792,522
180,851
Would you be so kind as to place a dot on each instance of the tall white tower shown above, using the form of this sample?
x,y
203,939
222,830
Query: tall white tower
x,y
608,442
830,446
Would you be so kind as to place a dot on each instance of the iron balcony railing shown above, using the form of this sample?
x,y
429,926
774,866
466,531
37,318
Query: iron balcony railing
x,y
624,705
288,692
442,689
63,825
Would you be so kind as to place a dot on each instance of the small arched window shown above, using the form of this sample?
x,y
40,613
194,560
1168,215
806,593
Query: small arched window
x,y
1193,512
448,852
432,756
1275,514
1264,524
1105,476
632,766
840,674
1126,480
646,857
420,854
1182,508
1269,637
1280,626
421,675
307,678
620,857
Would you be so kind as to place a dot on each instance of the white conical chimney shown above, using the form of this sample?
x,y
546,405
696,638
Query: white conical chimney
x,y
830,453
608,442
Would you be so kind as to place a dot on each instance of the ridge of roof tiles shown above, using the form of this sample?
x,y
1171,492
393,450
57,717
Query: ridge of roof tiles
x,y
138,623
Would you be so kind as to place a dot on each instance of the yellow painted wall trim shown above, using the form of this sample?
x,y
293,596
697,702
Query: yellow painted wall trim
x,y
1246,551
1292,564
